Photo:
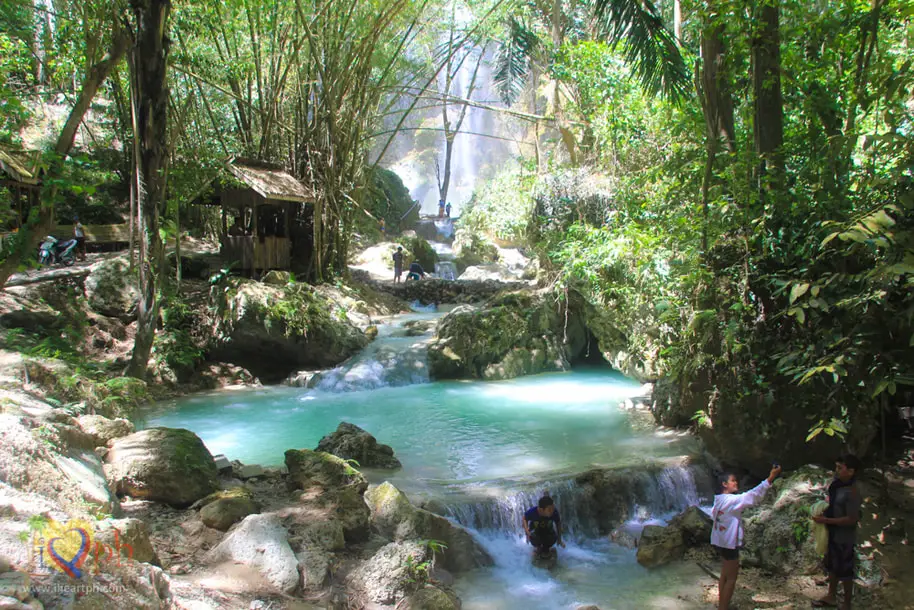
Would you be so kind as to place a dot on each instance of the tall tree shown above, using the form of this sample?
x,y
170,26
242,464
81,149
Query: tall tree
x,y
769,104
38,226
148,61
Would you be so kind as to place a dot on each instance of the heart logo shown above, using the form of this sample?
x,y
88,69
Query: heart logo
x,y
76,547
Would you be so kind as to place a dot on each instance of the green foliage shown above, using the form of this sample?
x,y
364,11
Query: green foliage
x,y
421,251
500,208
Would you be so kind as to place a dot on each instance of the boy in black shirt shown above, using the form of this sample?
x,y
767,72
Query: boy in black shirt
x,y
543,526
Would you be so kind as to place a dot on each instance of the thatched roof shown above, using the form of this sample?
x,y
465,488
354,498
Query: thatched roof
x,y
21,165
269,181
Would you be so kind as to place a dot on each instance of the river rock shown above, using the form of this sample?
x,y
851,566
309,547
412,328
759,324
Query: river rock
x,y
431,597
394,517
260,541
391,573
273,331
162,464
314,566
309,468
695,526
38,459
223,509
342,488
111,289
104,430
128,538
659,545
353,443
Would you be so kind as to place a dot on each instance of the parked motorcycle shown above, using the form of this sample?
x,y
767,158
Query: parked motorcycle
x,y
52,251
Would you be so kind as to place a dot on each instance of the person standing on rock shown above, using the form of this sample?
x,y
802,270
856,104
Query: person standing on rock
x,y
398,264
841,519
543,526
727,528
447,209
79,233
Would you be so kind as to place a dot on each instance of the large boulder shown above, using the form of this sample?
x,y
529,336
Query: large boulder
x,y
54,460
394,517
353,443
273,331
261,542
695,526
224,509
392,573
104,430
515,334
659,545
111,289
340,485
169,465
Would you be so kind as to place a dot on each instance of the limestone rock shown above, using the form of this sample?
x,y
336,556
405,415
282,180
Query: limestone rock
x,y
325,535
387,578
343,488
273,331
430,597
695,526
39,460
659,545
513,334
308,468
104,430
223,509
315,568
128,538
394,517
353,443
260,541
249,471
162,464
490,271
15,585
111,289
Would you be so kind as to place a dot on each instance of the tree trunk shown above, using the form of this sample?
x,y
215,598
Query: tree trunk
x,y
149,63
677,21
32,233
717,107
769,109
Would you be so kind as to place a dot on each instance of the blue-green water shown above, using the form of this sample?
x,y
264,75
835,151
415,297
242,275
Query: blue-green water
x,y
460,440
442,432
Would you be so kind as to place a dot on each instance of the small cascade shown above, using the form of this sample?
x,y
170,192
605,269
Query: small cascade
x,y
398,357
649,495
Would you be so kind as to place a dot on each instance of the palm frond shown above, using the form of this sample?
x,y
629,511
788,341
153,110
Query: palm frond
x,y
648,46
512,61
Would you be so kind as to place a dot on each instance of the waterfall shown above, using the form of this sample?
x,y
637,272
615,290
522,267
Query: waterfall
x,y
648,495
397,357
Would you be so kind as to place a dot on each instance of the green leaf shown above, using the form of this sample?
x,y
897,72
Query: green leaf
x,y
798,290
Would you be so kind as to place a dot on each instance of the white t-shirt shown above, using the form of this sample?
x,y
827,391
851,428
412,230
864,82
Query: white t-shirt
x,y
727,514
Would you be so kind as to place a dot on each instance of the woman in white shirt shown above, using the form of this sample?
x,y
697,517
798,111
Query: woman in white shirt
x,y
727,529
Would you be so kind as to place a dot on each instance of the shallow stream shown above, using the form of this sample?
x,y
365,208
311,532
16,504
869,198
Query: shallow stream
x,y
482,450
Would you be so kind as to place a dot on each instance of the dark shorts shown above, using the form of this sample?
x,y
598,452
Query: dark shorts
x,y
840,560
543,539
727,554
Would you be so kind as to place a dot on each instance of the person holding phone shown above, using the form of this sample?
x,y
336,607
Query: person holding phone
x,y
727,528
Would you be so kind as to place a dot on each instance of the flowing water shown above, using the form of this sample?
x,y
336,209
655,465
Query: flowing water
x,y
484,451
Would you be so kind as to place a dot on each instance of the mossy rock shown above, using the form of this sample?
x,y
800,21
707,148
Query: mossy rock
x,y
223,509
166,465
309,468
419,250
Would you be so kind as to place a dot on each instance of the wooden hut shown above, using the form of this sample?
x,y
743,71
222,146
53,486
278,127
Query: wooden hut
x,y
259,202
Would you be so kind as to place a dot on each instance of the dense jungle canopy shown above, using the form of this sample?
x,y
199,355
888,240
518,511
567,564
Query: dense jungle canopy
x,y
731,179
